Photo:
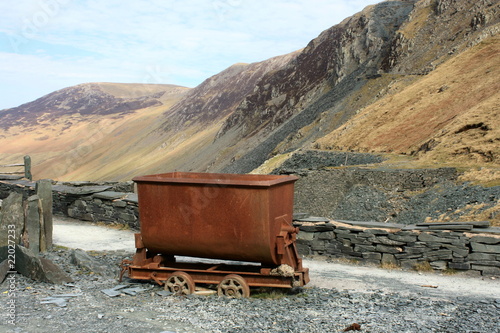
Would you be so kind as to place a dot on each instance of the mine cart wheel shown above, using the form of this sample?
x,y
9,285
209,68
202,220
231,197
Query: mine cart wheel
x,y
180,283
233,286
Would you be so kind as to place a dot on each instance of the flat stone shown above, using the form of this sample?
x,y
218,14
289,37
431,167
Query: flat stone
x,y
464,227
313,219
476,256
10,177
459,265
486,270
477,224
485,240
479,247
386,241
487,263
376,231
426,237
411,227
109,195
373,224
372,255
388,249
492,230
327,235
460,250
403,238
408,255
120,203
441,254
409,263
60,302
80,190
115,291
364,248
133,291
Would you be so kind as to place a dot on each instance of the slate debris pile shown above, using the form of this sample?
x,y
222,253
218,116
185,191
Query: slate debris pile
x,y
82,306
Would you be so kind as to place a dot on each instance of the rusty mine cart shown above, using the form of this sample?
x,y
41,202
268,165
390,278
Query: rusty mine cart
x,y
241,218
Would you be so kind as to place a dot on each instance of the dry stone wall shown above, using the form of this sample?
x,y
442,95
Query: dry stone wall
x,y
96,202
477,249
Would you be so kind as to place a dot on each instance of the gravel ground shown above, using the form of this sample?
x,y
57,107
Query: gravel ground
x,y
338,296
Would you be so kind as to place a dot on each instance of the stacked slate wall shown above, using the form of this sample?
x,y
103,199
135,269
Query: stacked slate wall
x,y
96,202
477,250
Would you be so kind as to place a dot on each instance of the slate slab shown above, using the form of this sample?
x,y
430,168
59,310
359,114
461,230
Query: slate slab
x,y
10,177
476,224
131,197
313,219
80,190
34,221
109,195
463,227
11,219
373,224
43,189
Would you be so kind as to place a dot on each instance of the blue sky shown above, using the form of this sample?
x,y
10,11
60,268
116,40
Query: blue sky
x,y
47,45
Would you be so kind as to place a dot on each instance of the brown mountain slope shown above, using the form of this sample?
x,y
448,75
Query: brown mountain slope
x,y
60,129
179,137
381,50
449,116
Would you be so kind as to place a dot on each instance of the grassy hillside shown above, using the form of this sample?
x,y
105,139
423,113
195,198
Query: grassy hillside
x,y
448,117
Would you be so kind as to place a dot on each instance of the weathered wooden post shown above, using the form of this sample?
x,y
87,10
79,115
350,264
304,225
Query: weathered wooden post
x,y
27,167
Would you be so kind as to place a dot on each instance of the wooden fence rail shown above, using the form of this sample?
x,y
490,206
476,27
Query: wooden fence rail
x,y
26,165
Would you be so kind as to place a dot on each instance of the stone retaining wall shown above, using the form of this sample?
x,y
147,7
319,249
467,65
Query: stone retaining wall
x,y
476,250
86,201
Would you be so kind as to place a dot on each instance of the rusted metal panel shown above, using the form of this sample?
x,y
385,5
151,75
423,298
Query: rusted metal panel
x,y
220,216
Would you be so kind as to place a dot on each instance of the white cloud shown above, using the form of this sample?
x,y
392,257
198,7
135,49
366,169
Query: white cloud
x,y
184,42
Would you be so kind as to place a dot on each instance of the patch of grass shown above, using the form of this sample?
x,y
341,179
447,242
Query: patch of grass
x,y
60,247
449,271
423,266
389,265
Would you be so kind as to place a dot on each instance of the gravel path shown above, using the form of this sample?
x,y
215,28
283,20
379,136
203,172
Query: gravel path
x,y
338,296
